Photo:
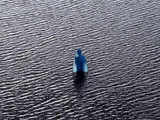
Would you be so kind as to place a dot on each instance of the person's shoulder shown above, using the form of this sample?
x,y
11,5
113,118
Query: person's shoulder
x,y
83,58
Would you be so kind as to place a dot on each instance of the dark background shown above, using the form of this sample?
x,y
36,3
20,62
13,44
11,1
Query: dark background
x,y
120,39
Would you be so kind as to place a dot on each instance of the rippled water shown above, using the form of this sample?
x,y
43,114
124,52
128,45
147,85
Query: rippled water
x,y
120,39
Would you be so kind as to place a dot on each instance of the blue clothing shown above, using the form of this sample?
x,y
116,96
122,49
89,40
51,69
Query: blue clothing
x,y
80,61
80,64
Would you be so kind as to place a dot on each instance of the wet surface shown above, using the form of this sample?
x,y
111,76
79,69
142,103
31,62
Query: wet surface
x,y
120,39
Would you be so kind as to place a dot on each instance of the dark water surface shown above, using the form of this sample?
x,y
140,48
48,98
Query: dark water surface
x,y
120,38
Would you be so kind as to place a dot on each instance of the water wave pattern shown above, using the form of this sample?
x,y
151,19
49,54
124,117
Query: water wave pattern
x,y
120,38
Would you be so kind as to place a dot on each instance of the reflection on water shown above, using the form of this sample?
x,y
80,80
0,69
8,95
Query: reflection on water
x,y
79,80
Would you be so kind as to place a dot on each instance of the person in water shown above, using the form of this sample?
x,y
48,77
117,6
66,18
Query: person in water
x,y
80,64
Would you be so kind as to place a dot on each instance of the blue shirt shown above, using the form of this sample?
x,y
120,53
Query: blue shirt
x,y
80,61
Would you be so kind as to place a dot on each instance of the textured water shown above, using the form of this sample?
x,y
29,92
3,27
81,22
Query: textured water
x,y
120,38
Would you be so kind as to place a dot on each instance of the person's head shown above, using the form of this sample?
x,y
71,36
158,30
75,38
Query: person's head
x,y
79,51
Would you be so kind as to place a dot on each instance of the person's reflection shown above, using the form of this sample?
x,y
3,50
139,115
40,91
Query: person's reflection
x,y
79,80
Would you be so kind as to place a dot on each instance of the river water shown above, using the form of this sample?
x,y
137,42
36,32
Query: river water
x,y
120,39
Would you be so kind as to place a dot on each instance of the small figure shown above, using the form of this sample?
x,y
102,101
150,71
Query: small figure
x,y
80,63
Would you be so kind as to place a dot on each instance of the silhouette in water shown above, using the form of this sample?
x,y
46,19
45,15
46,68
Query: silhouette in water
x,y
79,80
